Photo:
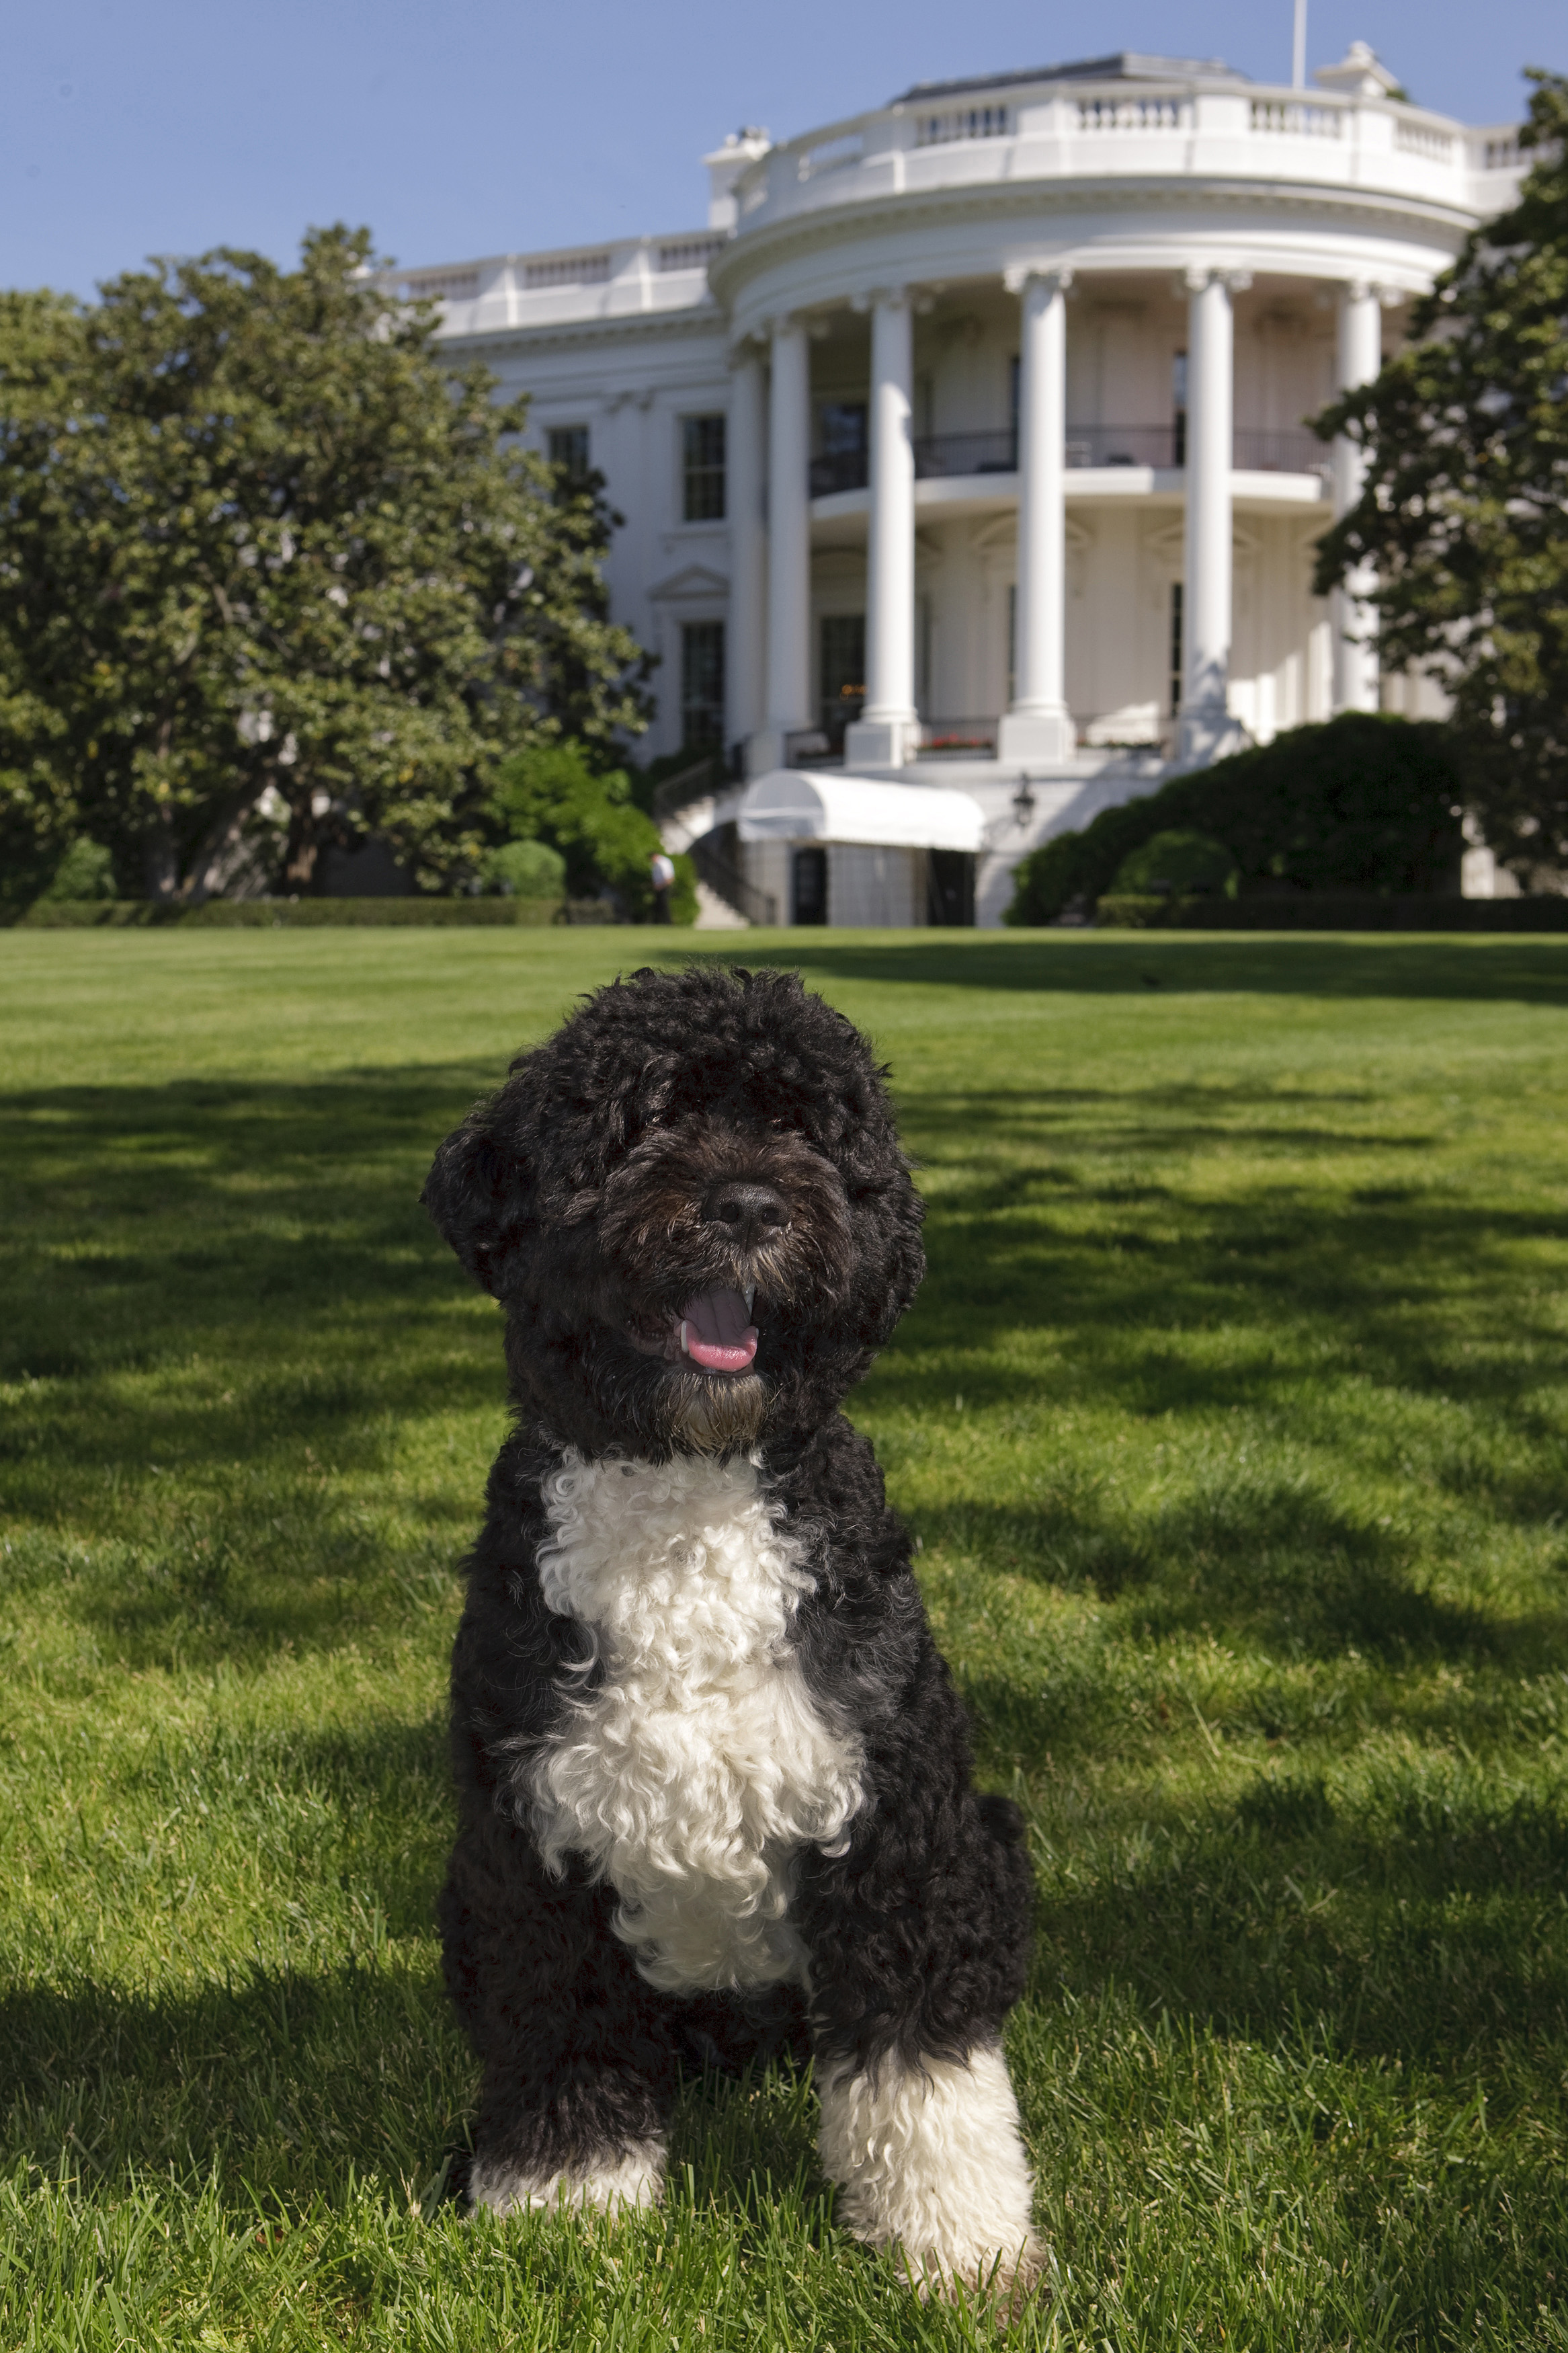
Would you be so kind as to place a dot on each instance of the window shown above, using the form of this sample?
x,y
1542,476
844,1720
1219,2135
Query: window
x,y
702,468
568,446
808,886
1179,408
843,672
701,685
1176,648
844,447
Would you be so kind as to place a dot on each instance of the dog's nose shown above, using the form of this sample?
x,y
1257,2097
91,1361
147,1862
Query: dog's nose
x,y
752,1211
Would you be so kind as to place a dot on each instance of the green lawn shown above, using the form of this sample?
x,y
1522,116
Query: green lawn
x,y
1233,1422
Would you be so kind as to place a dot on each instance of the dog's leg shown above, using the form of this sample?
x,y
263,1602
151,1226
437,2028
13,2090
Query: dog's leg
x,y
928,2159
580,2067
919,1938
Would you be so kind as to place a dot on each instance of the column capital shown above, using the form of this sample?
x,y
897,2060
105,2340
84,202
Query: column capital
x,y
1018,274
1370,289
1198,276
882,298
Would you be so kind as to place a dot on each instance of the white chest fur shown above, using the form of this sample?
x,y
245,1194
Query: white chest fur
x,y
699,1767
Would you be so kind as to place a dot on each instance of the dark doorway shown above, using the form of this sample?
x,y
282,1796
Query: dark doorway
x,y
843,673
809,887
951,890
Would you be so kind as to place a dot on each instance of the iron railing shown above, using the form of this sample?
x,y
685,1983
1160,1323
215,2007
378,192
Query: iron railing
x,y
846,470
940,454
1292,449
1124,445
726,882
694,783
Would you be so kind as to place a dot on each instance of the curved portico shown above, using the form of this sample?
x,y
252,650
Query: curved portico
x,y
1164,208
965,447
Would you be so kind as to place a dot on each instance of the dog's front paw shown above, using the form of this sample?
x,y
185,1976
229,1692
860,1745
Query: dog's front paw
x,y
930,2161
633,2179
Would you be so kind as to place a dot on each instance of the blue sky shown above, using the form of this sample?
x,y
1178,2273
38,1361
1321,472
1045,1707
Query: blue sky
x,y
471,128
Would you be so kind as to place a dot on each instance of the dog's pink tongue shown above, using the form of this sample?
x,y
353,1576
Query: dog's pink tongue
x,y
715,1332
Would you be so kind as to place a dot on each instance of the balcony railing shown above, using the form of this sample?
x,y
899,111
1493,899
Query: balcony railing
x,y
1124,445
1289,450
938,454
846,470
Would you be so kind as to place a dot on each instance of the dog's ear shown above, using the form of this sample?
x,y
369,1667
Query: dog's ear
x,y
479,1192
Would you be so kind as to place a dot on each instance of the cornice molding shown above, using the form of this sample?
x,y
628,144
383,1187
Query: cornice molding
x,y
567,335
1042,200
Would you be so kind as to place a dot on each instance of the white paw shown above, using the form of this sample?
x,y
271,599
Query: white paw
x,y
635,2179
928,2159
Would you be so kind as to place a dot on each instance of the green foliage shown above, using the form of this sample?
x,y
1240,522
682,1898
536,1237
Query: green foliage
x,y
525,870
264,553
1462,517
1360,803
1178,859
1232,1421
553,793
86,872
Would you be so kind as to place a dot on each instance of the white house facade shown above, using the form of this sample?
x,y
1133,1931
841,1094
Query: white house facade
x,y
962,456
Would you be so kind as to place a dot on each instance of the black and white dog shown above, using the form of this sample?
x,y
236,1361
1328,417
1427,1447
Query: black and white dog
x,y
714,1781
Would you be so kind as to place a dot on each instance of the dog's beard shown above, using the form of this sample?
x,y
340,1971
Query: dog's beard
x,y
715,1415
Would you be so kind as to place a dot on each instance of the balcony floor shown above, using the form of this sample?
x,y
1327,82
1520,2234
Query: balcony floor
x,y
958,495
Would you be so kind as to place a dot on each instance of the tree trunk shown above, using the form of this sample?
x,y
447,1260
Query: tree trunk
x,y
161,863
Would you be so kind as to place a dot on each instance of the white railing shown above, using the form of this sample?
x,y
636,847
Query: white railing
x,y
567,270
832,155
1420,139
1133,115
441,286
961,123
689,253
1501,155
1296,120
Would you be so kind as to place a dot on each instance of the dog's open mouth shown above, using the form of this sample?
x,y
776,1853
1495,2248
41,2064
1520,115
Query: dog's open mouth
x,y
713,1331
717,1332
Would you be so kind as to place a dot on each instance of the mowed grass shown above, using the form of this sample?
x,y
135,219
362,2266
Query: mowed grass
x,y
1233,1422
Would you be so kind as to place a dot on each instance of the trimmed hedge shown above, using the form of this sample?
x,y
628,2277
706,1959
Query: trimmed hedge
x,y
1361,803
265,914
1329,910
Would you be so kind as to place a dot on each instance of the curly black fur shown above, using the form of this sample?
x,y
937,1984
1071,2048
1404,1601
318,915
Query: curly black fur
x,y
575,1195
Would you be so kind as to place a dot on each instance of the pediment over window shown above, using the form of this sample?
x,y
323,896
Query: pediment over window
x,y
691,581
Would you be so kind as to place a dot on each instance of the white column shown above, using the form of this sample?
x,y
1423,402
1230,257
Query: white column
x,y
1359,358
886,731
788,700
1039,726
743,679
1205,730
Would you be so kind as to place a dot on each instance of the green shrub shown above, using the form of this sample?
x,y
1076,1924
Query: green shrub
x,y
1360,803
86,872
1178,860
525,870
552,793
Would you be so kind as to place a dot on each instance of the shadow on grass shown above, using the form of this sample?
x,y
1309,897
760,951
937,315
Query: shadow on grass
x,y
1420,1924
1529,971
294,2084
1273,1563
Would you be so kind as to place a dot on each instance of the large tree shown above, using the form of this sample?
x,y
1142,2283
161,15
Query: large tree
x,y
260,548
1464,515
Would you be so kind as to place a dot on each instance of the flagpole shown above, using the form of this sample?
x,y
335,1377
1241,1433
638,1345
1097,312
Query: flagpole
x,y
1298,48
